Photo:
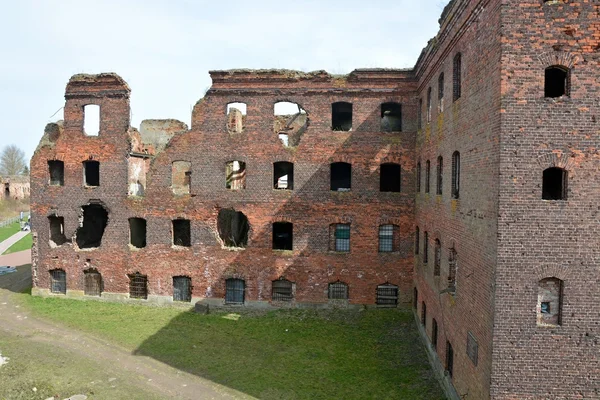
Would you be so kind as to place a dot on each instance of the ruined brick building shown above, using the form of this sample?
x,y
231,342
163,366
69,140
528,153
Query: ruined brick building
x,y
14,187
465,186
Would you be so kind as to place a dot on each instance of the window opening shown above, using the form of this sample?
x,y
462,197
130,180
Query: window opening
x,y
419,177
472,348
549,307
449,359
428,113
181,233
427,174
434,333
452,267
441,93
283,175
438,258
391,117
423,314
92,285
91,173
58,281
457,81
181,177
338,291
233,227
91,226
282,290
56,169
235,291
91,120
415,297
236,117
138,286
235,175
6,191
339,237
554,184
425,247
417,239
455,175
182,288
341,176
57,230
389,179
341,116
420,115
290,122
388,238
440,173
556,82
137,232
387,295
136,174
283,235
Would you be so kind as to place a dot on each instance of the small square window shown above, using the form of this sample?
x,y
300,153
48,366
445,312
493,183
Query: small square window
x,y
545,307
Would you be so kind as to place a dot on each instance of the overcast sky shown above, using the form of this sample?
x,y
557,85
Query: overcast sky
x,y
164,49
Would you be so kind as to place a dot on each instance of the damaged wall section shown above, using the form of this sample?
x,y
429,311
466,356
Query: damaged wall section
x,y
93,221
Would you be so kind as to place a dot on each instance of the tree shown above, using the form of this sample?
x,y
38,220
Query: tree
x,y
12,161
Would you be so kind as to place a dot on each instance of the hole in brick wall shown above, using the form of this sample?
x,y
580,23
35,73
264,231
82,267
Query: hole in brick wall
x,y
91,227
233,227
91,173
391,117
556,81
290,122
181,233
389,177
57,231
137,232
56,170
6,191
138,286
181,177
235,175
341,176
58,281
235,290
236,117
549,308
91,119
554,184
282,290
283,175
92,283
283,236
337,291
182,288
341,116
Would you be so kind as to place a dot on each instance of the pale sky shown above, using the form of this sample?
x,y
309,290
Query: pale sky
x,y
164,49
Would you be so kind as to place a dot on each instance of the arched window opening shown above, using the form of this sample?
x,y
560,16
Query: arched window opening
x,y
387,295
554,184
92,283
415,298
341,116
282,290
290,122
452,268
341,176
441,93
457,77
182,288
235,175
235,291
424,314
283,236
420,115
389,177
236,117
91,120
434,334
337,291
440,174
556,81
419,177
449,359
58,281
417,239
425,247
455,175
283,175
389,238
437,262
391,117
549,303
138,286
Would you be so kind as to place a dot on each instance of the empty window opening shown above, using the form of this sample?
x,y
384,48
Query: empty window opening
x,y
341,176
235,175
290,122
449,359
339,237
391,117
58,281
283,175
452,268
417,240
425,247
182,288
437,262
283,236
387,295
420,115
233,227
440,174
427,175
472,348
455,175
282,290
56,169
424,314
434,333
549,307
418,177
337,291
441,93
57,230
91,173
235,290
415,297
137,232
136,175
181,177
92,283
341,116
428,111
457,77
91,120
236,117
554,184
389,238
556,81
390,177
138,286
91,226
181,233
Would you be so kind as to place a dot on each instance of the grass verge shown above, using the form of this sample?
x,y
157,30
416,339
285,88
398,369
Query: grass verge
x,y
9,230
24,243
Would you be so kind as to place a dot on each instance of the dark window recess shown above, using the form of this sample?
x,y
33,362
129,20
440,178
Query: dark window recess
x,y
283,236
235,290
338,291
283,175
457,81
417,240
428,111
388,238
423,313
418,177
434,333
57,230
91,228
427,175
415,298
472,348
92,283
441,93
182,288
449,359
391,117
440,175
556,82
420,115
554,185
456,175
452,266
138,286
425,248
137,232
57,172
233,227
341,176
282,290
341,116
387,295
6,191
58,281
437,262
181,232
550,298
389,179
339,237
235,175
545,307
91,173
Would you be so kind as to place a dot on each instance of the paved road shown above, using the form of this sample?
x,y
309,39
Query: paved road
x,y
12,240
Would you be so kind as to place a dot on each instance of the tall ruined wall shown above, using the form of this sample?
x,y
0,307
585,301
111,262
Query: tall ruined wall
x,y
14,187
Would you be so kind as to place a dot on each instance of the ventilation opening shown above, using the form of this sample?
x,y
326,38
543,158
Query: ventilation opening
x,y
92,225
181,177
137,232
549,306
389,180
283,236
556,82
181,233
388,238
290,122
91,120
387,295
449,359
283,175
391,117
57,172
337,291
58,281
182,288
91,173
341,176
236,117
235,290
339,237
138,286
57,230
554,185
341,116
235,175
233,228
282,290
92,283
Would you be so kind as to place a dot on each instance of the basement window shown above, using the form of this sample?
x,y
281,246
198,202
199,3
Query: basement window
x,y
91,227
337,291
236,117
57,230
181,177
181,233
549,308
389,238
341,177
556,81
341,116
58,281
233,227
91,173
138,286
235,290
391,117
91,120
283,236
235,175
282,290
137,232
283,175
339,237
56,169
389,178
92,283
554,184
387,295
182,288
290,122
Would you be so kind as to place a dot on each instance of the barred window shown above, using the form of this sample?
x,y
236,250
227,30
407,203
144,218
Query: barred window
x,y
388,238
58,281
425,247
235,290
455,175
339,237
440,173
282,290
92,283
427,175
457,81
182,288
387,295
338,291
417,240
138,286
438,258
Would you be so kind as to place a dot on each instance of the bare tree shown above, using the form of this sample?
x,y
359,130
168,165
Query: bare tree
x,y
12,161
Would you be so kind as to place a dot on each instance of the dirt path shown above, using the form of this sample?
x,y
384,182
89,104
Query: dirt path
x,y
139,374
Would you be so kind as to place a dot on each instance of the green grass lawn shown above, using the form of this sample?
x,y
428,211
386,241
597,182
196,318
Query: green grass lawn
x,y
24,243
282,354
9,230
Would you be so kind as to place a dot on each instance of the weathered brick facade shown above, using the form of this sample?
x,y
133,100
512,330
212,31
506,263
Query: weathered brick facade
x,y
506,275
